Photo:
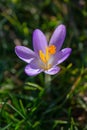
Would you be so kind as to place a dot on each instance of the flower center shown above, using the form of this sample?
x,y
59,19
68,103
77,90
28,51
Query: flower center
x,y
50,50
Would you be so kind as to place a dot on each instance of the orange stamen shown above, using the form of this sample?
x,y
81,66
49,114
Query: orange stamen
x,y
51,50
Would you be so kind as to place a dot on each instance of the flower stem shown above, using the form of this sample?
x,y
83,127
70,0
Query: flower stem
x,y
47,83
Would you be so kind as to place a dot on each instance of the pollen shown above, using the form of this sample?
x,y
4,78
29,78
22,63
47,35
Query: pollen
x,y
42,56
52,49
45,57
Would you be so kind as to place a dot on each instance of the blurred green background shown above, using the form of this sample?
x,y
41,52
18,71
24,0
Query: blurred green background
x,y
25,102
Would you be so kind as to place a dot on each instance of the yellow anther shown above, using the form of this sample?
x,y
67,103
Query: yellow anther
x,y
47,54
52,49
42,56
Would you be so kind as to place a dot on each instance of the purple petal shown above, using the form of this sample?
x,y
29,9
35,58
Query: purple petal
x,y
24,53
31,71
39,41
61,56
53,70
58,37
35,63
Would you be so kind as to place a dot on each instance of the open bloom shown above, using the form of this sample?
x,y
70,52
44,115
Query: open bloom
x,y
44,57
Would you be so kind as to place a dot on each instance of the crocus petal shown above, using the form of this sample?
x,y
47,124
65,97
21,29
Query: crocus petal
x,y
53,70
31,71
24,53
61,56
35,63
58,37
39,41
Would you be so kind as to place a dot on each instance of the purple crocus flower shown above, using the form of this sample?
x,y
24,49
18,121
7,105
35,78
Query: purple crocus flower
x,y
44,58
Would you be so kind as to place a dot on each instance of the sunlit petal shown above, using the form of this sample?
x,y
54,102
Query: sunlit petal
x,y
24,53
53,70
32,71
61,56
39,41
58,37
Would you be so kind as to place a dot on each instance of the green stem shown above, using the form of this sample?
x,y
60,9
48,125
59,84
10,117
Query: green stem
x,y
47,83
